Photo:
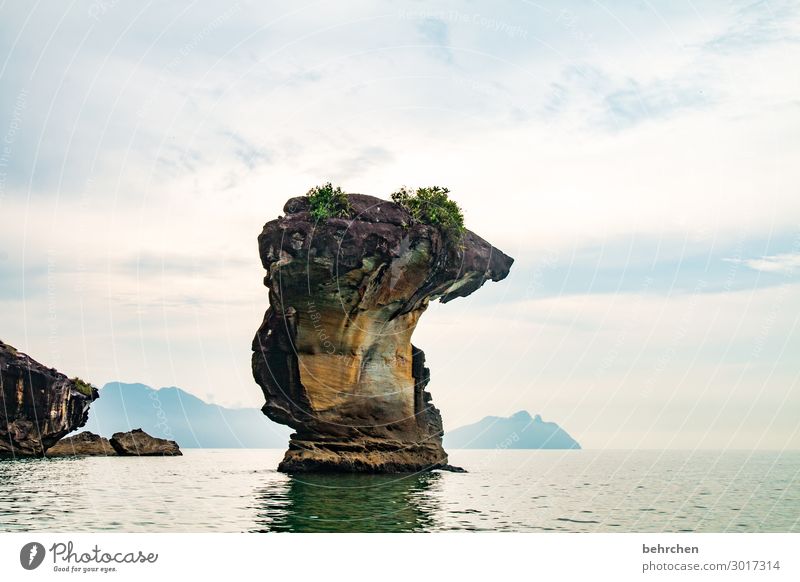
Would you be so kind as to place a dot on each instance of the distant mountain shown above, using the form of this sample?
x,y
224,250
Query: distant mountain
x,y
174,414
518,431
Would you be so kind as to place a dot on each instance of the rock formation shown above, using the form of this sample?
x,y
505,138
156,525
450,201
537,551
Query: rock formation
x,y
333,355
139,443
83,444
38,405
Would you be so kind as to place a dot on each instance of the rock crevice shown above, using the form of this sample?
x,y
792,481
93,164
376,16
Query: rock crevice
x,y
333,355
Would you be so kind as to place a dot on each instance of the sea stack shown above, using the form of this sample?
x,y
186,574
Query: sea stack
x,y
38,405
333,355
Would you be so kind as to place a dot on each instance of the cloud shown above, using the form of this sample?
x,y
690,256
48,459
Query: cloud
x,y
787,264
367,157
151,264
756,24
22,281
635,103
617,104
246,152
435,31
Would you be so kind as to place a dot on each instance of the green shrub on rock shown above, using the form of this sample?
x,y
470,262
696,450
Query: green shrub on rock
x,y
434,207
83,387
328,202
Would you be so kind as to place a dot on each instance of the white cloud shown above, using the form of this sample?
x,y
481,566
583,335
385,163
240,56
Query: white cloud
x,y
785,264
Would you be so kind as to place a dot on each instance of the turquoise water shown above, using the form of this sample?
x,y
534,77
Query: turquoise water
x,y
239,490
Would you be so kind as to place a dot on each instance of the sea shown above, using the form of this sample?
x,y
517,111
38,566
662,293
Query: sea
x,y
239,490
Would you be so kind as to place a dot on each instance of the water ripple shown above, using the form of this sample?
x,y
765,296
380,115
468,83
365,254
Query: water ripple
x,y
239,490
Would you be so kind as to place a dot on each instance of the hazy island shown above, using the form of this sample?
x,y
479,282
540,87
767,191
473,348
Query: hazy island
x,y
518,431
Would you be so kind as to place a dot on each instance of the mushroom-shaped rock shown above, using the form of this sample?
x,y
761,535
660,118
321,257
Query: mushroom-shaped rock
x,y
333,355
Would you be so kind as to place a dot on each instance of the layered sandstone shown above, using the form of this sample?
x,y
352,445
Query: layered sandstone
x,y
38,405
333,355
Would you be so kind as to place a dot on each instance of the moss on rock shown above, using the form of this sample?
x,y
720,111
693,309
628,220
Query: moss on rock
x,y
83,387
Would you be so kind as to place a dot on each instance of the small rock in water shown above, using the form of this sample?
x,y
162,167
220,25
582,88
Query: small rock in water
x,y
85,443
139,443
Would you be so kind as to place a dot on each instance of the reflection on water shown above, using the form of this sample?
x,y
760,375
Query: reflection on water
x,y
348,503
240,491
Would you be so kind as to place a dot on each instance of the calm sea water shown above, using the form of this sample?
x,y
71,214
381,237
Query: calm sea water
x,y
239,490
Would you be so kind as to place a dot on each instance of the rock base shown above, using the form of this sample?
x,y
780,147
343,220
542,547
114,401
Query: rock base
x,y
371,456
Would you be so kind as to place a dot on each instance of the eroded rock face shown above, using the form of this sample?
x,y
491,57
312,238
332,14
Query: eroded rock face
x,y
139,443
333,355
83,444
38,405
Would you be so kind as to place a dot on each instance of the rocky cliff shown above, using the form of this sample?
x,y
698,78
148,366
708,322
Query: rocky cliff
x,y
38,405
333,355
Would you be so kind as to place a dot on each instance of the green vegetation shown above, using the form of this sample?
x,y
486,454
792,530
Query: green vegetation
x,y
328,202
433,206
83,387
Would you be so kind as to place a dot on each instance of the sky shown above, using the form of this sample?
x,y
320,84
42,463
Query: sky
x,y
639,160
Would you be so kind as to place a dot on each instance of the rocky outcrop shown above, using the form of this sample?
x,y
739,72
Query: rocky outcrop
x,y
333,355
139,443
38,405
83,444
